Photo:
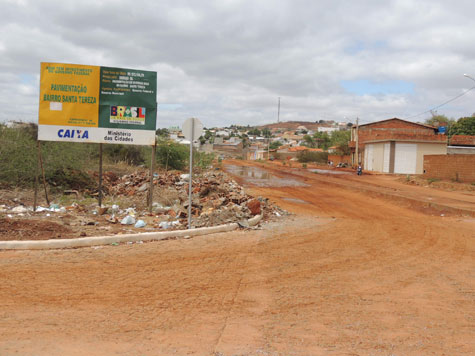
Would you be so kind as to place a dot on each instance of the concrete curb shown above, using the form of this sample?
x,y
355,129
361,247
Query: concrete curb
x,y
107,240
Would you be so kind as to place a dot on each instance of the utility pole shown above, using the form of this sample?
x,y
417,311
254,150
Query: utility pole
x,y
357,143
278,111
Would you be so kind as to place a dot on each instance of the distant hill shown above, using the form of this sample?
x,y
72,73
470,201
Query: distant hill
x,y
293,125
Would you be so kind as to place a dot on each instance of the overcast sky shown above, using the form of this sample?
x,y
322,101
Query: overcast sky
x,y
228,61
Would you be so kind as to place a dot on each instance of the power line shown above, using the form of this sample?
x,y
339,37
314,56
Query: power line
x,y
439,106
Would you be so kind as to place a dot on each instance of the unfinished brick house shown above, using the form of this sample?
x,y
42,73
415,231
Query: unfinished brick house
x,y
396,146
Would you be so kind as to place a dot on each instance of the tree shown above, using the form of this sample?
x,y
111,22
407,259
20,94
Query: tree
x,y
275,145
162,133
463,126
266,133
439,120
208,134
322,139
170,154
254,132
309,141
338,138
245,141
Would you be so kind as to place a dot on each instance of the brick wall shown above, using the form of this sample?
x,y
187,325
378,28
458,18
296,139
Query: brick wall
x,y
450,167
339,159
462,140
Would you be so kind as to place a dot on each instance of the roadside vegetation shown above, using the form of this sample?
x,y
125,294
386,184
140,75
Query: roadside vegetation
x,y
311,156
73,165
462,126
323,140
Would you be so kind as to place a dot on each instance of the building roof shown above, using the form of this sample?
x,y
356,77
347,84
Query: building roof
x,y
304,148
395,118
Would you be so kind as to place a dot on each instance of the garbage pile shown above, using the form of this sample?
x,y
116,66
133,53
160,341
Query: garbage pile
x,y
216,200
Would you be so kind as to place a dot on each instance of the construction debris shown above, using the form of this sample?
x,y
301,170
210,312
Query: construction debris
x,y
216,200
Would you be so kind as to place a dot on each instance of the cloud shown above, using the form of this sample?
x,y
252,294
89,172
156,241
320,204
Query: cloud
x,y
362,87
227,62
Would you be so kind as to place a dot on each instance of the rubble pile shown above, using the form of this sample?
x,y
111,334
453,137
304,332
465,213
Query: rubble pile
x,y
216,200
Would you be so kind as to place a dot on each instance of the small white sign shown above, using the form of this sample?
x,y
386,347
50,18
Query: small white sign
x,y
55,106
192,129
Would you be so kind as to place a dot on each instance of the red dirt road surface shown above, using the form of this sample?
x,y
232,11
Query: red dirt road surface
x,y
351,273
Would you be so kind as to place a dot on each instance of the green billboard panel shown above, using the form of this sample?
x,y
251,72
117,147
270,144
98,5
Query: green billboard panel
x,y
127,99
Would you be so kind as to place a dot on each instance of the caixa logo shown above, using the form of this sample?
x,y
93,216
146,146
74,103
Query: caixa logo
x,y
71,133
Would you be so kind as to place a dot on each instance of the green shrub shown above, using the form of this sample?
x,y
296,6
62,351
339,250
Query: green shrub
x,y
19,157
130,154
67,178
171,155
202,159
312,156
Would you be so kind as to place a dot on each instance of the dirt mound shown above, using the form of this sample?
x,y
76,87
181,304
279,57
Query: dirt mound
x,y
29,229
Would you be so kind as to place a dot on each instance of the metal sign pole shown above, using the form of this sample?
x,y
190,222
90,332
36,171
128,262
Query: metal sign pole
x,y
100,176
152,169
43,172
191,171
35,204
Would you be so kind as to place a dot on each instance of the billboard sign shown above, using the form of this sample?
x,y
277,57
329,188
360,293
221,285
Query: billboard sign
x,y
80,103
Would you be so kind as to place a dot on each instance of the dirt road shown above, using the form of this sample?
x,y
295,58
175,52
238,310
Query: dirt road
x,y
349,274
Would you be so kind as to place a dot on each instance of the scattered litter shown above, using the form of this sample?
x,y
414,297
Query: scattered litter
x,y
115,244
112,219
143,187
130,211
19,209
70,192
128,220
140,224
164,225
103,210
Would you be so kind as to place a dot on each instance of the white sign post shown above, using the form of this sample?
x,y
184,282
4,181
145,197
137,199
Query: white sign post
x,y
192,129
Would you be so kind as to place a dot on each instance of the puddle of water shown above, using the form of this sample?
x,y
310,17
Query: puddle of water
x,y
262,178
327,171
295,200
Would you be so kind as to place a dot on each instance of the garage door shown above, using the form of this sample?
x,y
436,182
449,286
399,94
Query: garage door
x,y
368,150
386,157
405,159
